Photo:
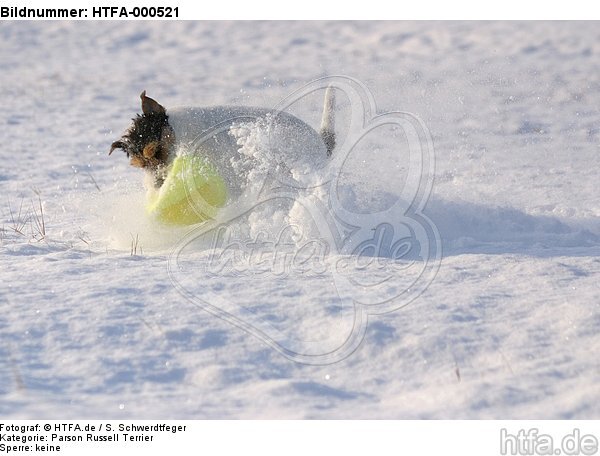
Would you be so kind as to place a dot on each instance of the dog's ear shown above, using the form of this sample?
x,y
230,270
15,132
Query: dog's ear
x,y
150,106
118,145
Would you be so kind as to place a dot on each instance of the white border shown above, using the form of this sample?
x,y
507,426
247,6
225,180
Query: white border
x,y
319,438
371,10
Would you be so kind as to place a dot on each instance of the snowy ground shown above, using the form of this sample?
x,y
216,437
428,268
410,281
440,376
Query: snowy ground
x,y
509,327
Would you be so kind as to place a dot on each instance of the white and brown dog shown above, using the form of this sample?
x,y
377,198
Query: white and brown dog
x,y
152,140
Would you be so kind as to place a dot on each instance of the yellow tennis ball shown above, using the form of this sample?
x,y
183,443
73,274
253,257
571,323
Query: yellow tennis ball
x,y
192,192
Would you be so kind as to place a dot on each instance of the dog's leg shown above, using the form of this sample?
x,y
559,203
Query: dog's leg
x,y
328,120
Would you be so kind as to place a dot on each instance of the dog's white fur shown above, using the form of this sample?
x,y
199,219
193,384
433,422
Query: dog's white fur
x,y
207,130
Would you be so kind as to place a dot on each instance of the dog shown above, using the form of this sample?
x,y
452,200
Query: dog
x,y
152,140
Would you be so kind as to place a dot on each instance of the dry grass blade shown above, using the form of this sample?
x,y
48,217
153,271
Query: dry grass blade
x,y
135,244
38,222
94,181
18,221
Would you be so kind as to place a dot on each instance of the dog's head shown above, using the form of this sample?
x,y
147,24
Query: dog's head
x,y
148,140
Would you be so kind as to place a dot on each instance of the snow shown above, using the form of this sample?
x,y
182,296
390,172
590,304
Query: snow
x,y
509,326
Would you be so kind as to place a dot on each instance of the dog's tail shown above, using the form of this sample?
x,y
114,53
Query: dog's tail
x,y
328,120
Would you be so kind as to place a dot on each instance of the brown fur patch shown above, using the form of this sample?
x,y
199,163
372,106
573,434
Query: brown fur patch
x,y
137,161
150,151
